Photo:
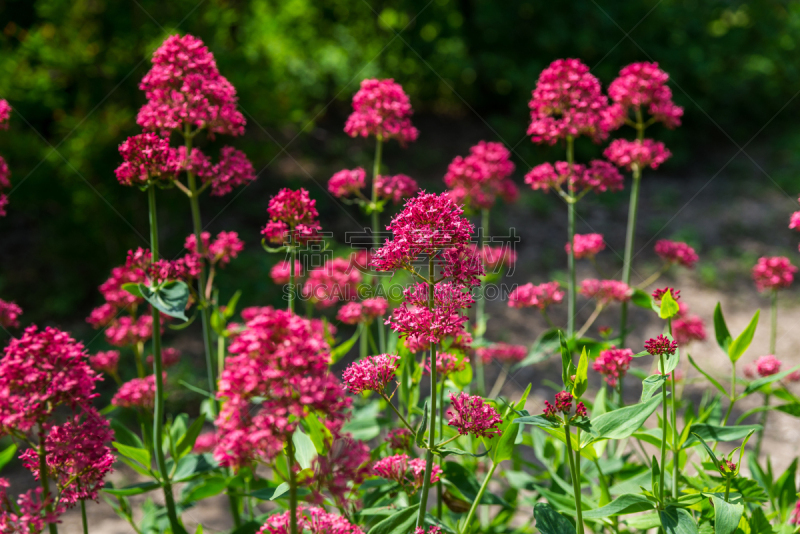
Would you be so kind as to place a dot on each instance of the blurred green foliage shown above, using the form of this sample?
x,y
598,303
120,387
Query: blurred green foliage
x,y
70,68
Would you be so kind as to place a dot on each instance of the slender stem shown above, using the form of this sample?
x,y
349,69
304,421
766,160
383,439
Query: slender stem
x,y
603,483
43,479
396,411
727,489
426,482
675,451
205,310
234,504
590,321
732,396
439,500
571,290
664,423
500,382
292,488
478,498
158,368
773,331
292,259
376,240
654,277
576,478
220,354
137,356
84,521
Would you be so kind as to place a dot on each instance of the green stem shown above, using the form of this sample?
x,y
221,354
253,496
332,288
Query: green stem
x,y
571,289
292,488
576,478
376,240
43,479
292,259
732,397
84,521
606,493
205,311
137,356
234,504
664,422
220,354
773,331
158,411
439,500
478,498
675,451
426,482
397,412
727,489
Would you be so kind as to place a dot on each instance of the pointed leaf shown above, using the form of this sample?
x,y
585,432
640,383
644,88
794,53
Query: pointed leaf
x,y
739,345
651,385
548,521
134,489
757,384
186,443
642,299
708,376
133,289
678,521
581,376
343,348
726,516
669,307
621,423
139,455
721,329
709,451
422,424
537,420
304,449
170,298
7,455
718,433
400,522
624,504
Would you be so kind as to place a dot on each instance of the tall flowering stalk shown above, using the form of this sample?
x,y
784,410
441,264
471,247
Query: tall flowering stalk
x,y
639,87
663,348
568,103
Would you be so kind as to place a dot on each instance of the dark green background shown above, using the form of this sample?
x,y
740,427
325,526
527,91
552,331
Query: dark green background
x,y
71,68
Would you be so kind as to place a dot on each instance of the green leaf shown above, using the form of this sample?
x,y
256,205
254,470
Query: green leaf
x,y
757,384
343,348
548,521
566,362
537,420
708,376
446,451
123,435
7,455
139,455
709,451
644,522
420,439
581,376
206,488
669,307
621,423
739,345
786,490
759,524
186,443
320,436
708,432
133,289
230,308
642,299
629,503
271,493
726,516
463,480
792,409
135,489
304,450
191,466
400,522
170,298
650,385
721,329
677,521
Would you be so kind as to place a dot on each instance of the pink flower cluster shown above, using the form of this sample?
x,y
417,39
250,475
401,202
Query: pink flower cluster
x,y
184,87
105,361
5,113
567,102
563,404
145,157
613,364
233,170
169,357
599,176
688,328
495,258
659,293
204,443
642,85
399,438
396,468
293,216
222,250
395,188
9,314
281,272
471,416
381,108
795,516
282,360
312,520
341,470
606,291
502,352
676,252
447,363
373,373
362,312
660,346
347,182
541,296
421,324
478,179
586,245
764,366
627,154
334,282
773,273
137,393
28,515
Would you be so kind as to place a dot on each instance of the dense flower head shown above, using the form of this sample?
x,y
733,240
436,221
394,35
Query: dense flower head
x,y
567,101
415,321
222,250
495,258
233,170
374,307
372,373
586,245
417,466
470,415
396,187
127,331
364,311
399,438
564,402
281,272
676,252
428,224
613,364
478,179
430,530
688,328
541,296
5,113
311,520
145,157
9,314
606,291
459,340
341,470
381,108
334,282
639,86
30,514
205,442
77,456
641,154
137,393
599,176
281,360
350,313
184,88
794,221
773,273
764,366
3,204
40,371
660,346
446,363
105,361
170,357
410,474
347,182
659,293
502,352
292,214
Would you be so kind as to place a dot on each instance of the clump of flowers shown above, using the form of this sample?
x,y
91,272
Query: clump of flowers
x,y
640,154
764,366
169,357
137,393
586,245
334,282
396,187
531,296
281,272
225,247
773,273
145,157
399,439
370,374
347,182
563,405
659,293
606,291
675,252
30,513
447,363
477,180
341,470
105,361
420,323
495,258
471,416
613,364
687,328
382,109
9,314
795,517
641,86
312,520
567,101
502,352
409,474
204,443
599,176
293,218
660,346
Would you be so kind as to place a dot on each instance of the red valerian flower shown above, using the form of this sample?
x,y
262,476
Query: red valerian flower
x,y
105,361
281,273
641,154
613,364
418,323
372,373
381,108
599,176
773,273
767,365
399,438
688,328
334,282
795,518
676,252
293,214
478,179
503,353
233,170
341,470
586,245
145,157
639,86
347,182
446,363
563,405
137,393
395,188
531,296
222,250
397,468
9,314
470,415
311,520
659,293
606,291
30,513
660,346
